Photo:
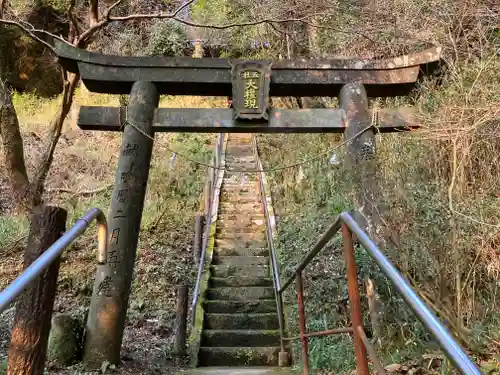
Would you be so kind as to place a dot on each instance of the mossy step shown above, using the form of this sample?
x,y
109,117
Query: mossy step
x,y
238,188
242,293
237,234
267,321
242,222
234,198
231,243
229,338
255,216
240,167
240,260
234,207
248,157
240,281
240,307
240,270
244,356
241,252
235,176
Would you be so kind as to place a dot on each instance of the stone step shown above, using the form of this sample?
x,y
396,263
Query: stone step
x,y
240,260
242,293
232,186
240,281
252,205
237,337
241,252
267,321
240,177
241,236
232,244
245,226
241,217
228,230
236,199
240,270
243,356
239,209
239,165
241,307
241,189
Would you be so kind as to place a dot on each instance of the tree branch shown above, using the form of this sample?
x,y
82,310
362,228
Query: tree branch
x,y
83,192
209,26
57,124
337,30
74,31
110,9
31,32
182,7
93,12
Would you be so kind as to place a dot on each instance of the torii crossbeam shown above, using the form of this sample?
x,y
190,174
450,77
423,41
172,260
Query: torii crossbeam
x,y
249,84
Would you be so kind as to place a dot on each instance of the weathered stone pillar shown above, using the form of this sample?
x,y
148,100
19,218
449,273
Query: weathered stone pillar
x,y
361,162
108,309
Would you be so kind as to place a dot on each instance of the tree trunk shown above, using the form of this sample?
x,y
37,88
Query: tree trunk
x,y
34,307
12,143
56,125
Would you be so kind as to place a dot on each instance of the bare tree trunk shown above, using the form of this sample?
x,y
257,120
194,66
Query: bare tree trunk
x,y
56,125
12,143
31,329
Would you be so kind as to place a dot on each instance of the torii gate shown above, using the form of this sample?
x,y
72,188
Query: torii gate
x,y
249,83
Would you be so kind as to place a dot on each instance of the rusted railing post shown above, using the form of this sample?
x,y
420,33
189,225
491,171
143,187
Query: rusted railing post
x,y
302,322
354,300
181,323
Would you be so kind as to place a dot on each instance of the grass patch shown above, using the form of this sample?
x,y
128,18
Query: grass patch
x,y
11,229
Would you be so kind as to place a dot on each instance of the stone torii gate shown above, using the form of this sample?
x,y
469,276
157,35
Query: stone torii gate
x,y
250,84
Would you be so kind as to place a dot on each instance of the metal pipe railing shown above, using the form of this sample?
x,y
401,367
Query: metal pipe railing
x,y
272,249
15,288
454,352
215,165
349,229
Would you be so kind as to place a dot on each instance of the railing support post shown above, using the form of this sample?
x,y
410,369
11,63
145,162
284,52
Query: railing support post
x,y
302,322
354,300
181,323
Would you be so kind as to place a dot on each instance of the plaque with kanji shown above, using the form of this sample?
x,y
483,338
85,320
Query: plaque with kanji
x,y
251,81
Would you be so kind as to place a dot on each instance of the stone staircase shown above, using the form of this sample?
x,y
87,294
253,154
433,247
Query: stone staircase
x,y
241,322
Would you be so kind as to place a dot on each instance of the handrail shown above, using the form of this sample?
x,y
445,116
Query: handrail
x,y
349,228
272,249
214,168
16,287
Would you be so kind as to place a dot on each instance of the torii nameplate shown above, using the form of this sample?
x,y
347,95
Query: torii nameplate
x,y
251,81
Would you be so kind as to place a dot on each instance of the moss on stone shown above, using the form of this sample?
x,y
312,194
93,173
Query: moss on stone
x,y
65,340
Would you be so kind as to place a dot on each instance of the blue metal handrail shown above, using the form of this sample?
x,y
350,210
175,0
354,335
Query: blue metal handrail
x,y
16,287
